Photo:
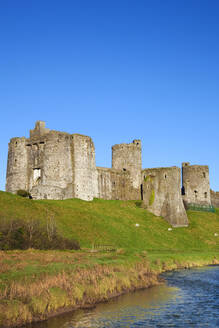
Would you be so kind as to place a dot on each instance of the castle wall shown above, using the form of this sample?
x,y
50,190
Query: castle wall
x,y
195,181
127,157
17,165
84,167
59,165
162,194
51,162
214,198
52,165
114,184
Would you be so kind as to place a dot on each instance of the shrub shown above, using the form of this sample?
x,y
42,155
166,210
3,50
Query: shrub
x,y
138,203
20,234
23,193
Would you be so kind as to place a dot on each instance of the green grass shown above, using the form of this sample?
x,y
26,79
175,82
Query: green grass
x,y
110,222
34,284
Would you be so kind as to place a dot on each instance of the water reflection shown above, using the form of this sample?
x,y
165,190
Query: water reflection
x,y
124,310
190,298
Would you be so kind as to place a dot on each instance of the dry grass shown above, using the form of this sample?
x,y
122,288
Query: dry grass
x,y
35,284
25,298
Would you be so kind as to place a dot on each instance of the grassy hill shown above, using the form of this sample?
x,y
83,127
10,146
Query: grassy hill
x,y
35,284
110,222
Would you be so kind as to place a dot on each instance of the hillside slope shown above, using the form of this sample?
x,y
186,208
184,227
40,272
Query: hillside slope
x,y
106,222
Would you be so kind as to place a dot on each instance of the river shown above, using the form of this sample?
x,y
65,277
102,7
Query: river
x,y
189,298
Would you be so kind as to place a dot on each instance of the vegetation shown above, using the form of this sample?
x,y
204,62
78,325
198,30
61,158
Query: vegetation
x,y
20,234
23,193
152,197
113,222
124,247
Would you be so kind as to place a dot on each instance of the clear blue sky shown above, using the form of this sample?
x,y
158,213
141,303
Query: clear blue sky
x,y
114,70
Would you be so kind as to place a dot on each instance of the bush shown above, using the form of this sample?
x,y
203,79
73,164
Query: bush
x,y
23,193
20,234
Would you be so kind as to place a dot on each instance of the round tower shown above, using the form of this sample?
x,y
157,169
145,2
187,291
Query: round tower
x,y
17,165
127,157
195,184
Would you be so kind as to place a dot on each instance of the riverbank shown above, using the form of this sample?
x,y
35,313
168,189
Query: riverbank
x,y
36,285
123,248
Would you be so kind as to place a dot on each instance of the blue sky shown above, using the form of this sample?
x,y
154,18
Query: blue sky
x,y
115,70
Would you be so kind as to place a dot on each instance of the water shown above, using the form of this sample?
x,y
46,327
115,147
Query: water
x,y
190,298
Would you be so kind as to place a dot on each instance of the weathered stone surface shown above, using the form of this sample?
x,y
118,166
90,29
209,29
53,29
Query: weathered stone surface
x,y
58,165
214,198
84,167
196,186
52,164
162,194
127,157
115,184
17,167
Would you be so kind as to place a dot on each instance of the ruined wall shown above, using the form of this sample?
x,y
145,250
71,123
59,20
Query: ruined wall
x,y
84,167
39,130
115,184
162,194
59,165
214,198
195,184
50,166
127,157
17,165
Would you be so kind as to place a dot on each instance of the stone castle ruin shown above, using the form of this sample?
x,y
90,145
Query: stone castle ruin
x,y
58,165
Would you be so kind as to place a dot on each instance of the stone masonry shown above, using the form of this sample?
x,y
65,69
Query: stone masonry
x,y
162,194
195,184
58,165
214,198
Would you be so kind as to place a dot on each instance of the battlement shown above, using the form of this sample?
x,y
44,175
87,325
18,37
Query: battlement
x,y
39,129
134,144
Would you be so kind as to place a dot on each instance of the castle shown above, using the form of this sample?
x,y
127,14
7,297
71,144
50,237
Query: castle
x,y
58,165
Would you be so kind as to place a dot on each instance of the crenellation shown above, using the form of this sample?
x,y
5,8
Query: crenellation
x,y
39,130
58,165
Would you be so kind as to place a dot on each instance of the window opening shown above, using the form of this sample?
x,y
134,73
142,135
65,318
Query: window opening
x,y
141,191
36,176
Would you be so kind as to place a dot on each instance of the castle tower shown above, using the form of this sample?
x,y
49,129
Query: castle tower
x,y
17,165
84,167
52,165
195,184
128,157
162,196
